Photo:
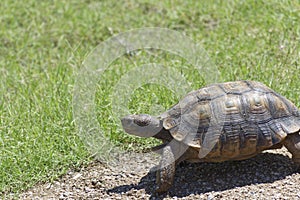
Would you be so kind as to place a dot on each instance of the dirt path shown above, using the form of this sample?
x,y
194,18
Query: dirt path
x,y
270,175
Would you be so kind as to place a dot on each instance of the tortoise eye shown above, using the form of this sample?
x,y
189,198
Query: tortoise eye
x,y
142,121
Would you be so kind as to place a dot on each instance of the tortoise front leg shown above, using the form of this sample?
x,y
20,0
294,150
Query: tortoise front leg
x,y
165,173
292,143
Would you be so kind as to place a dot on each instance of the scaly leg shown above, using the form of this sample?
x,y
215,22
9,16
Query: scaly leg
x,y
166,171
292,143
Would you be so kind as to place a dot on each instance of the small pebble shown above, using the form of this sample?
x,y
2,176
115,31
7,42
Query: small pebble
x,y
77,176
210,197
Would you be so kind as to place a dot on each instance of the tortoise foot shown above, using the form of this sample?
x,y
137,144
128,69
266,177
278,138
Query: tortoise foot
x,y
162,188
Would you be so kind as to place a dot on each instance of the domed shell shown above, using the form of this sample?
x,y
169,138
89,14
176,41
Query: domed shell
x,y
238,117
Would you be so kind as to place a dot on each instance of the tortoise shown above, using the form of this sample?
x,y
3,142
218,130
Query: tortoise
x,y
220,122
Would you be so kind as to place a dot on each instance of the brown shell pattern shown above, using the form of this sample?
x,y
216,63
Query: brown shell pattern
x,y
248,117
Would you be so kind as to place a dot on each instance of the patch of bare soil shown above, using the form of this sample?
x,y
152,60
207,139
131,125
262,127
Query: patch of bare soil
x,y
270,175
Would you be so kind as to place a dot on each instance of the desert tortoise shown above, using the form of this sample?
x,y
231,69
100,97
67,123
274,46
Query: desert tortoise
x,y
226,121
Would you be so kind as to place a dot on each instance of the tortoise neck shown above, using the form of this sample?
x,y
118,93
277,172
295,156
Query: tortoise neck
x,y
163,135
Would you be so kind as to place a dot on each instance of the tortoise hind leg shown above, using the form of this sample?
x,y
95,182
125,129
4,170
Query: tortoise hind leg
x,y
292,143
166,171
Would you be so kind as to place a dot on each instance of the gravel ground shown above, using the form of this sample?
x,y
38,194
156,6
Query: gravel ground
x,y
270,175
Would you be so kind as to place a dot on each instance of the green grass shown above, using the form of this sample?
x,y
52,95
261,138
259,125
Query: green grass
x,y
43,43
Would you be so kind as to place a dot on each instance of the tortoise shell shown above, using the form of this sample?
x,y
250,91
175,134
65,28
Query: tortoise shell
x,y
239,118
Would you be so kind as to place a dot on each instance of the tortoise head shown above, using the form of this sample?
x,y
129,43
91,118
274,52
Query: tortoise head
x,y
142,125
